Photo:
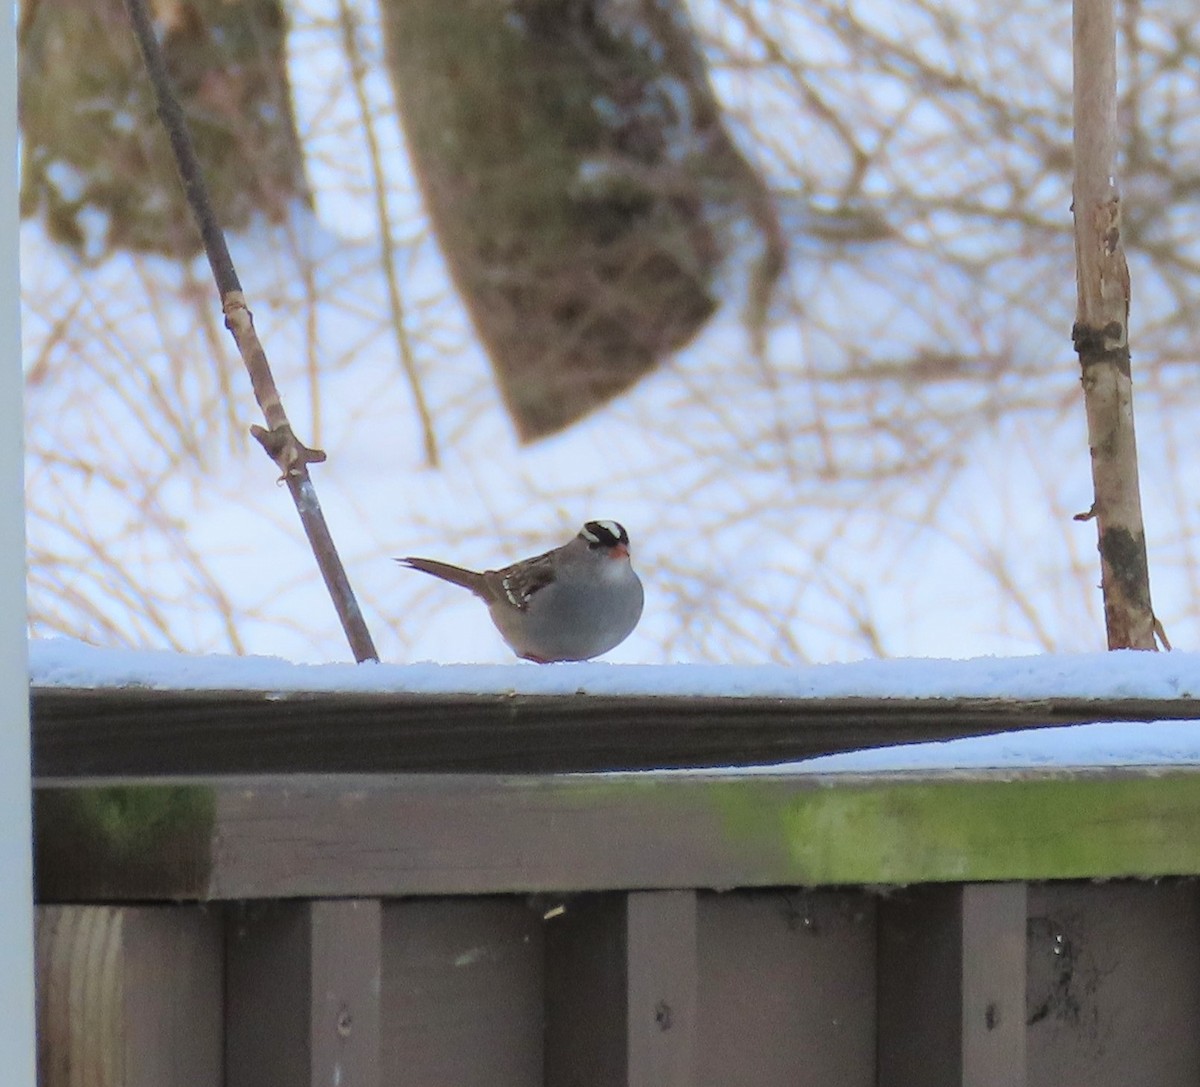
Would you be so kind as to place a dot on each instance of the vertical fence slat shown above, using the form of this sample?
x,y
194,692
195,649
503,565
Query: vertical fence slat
x,y
660,948
345,997
621,991
994,918
462,993
919,996
952,987
1114,984
129,996
79,1009
302,994
787,986
585,993
266,1005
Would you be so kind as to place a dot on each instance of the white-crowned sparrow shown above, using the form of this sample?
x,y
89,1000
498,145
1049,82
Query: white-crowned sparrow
x,y
570,604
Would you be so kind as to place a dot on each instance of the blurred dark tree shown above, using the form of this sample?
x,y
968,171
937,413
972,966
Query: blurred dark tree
x,y
582,184
92,143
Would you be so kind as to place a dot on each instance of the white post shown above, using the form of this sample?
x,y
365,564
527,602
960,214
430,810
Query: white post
x,y
17,1050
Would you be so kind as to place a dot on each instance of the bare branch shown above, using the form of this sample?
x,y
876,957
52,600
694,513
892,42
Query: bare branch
x,y
291,455
387,248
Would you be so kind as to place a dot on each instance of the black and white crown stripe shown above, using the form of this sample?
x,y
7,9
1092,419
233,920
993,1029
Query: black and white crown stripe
x,y
604,534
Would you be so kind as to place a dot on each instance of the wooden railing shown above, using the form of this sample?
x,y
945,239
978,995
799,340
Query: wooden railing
x,y
246,891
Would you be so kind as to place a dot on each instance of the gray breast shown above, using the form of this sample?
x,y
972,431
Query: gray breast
x,y
574,619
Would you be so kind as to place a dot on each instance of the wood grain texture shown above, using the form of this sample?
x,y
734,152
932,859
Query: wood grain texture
x,y
129,996
124,732
80,996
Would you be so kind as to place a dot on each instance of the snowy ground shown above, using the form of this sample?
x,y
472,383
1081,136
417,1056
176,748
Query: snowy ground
x,y
62,662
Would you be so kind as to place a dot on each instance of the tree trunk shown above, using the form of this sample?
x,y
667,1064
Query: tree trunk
x,y
1101,334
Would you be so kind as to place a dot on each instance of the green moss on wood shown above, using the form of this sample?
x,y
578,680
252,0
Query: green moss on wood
x,y
1066,827
151,840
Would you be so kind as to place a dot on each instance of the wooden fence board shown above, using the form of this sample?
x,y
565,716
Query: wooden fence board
x,y
661,988
462,993
302,994
129,996
588,947
132,731
993,920
586,994
952,987
787,989
344,1002
309,836
1114,984
1065,984
267,995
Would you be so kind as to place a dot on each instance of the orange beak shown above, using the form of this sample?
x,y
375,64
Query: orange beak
x,y
619,551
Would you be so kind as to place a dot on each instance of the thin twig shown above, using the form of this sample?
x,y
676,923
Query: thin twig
x,y
387,248
288,452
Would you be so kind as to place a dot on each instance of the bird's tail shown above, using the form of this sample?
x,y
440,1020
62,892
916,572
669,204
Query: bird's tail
x,y
456,575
